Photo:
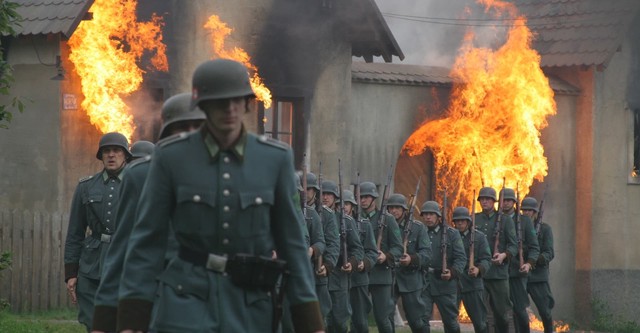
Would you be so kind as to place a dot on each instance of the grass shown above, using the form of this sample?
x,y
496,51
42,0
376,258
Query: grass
x,y
55,321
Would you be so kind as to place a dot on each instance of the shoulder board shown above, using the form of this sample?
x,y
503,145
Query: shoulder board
x,y
416,222
140,160
348,217
327,209
172,139
272,142
84,179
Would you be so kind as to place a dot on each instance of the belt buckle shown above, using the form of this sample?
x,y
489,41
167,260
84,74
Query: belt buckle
x,y
216,263
105,238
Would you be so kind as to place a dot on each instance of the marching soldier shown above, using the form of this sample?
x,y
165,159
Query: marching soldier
x,y
442,289
387,234
496,280
339,277
91,224
140,149
538,282
518,271
409,274
231,199
470,285
177,117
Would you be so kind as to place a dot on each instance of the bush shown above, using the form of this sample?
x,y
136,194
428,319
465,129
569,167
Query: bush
x,y
605,320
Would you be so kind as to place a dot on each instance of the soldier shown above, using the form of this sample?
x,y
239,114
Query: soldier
x,y
442,286
93,207
359,286
538,282
387,235
339,278
141,149
496,280
470,285
231,199
325,263
414,260
177,117
518,271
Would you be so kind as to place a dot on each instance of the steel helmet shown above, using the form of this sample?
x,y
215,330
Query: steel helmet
x,y
141,148
329,186
219,79
461,213
312,181
349,197
113,139
508,194
368,188
178,108
529,203
397,199
430,207
487,192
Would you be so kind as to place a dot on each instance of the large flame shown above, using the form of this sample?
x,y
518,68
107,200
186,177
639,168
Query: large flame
x,y
536,325
499,103
105,52
219,32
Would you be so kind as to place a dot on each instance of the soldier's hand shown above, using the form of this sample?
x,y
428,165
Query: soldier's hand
x,y
361,266
322,271
526,268
381,257
274,255
473,271
310,252
446,275
498,258
405,260
346,267
71,289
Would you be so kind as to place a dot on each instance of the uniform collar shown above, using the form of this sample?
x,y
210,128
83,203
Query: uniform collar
x,y
106,176
436,229
214,149
369,214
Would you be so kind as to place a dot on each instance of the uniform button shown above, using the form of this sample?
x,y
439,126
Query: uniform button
x,y
224,274
226,175
111,187
225,241
109,212
108,203
180,287
91,200
226,192
226,208
196,198
259,200
108,220
226,159
225,225
110,195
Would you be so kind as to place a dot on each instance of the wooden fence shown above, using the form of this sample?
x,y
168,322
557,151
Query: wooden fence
x,y
35,280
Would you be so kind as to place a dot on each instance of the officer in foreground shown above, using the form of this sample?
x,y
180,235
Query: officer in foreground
x,y
231,199
94,206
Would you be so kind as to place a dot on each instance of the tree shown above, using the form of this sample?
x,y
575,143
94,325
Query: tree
x,y
9,18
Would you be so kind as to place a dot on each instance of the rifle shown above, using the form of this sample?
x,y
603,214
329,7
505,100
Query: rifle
x,y
409,217
472,229
343,224
304,186
518,224
356,208
383,206
318,202
443,242
538,221
496,233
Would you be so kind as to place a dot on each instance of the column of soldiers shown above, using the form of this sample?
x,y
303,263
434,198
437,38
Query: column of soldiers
x,y
198,237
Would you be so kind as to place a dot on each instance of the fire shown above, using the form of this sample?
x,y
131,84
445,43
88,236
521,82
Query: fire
x,y
499,103
104,52
219,32
463,317
536,324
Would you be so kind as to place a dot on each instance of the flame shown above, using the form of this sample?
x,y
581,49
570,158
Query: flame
x,y
463,317
104,51
536,324
219,32
499,103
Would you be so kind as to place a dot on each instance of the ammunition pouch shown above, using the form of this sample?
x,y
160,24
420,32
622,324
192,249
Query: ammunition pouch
x,y
105,238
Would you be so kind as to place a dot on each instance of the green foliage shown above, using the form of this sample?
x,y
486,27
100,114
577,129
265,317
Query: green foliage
x,y
5,260
604,320
9,18
40,323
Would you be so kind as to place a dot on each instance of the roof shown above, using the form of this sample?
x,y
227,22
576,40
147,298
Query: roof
x,y
368,31
416,75
578,32
51,16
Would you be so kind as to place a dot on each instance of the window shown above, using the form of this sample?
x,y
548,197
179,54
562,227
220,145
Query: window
x,y
285,121
634,174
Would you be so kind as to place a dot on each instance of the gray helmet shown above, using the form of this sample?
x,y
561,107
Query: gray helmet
x,y
113,139
141,148
220,79
529,203
368,188
430,207
349,197
508,194
461,213
329,186
487,192
299,182
178,108
312,181
397,199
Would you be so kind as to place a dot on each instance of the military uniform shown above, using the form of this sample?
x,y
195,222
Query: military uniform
x,y
359,292
329,258
94,206
221,204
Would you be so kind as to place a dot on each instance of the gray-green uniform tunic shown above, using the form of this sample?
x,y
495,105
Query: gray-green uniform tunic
x,y
444,293
410,279
94,207
242,200
496,280
518,281
538,282
329,258
471,289
380,276
359,287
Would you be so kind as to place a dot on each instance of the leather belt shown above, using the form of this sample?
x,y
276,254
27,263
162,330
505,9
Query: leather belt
x,y
105,238
210,261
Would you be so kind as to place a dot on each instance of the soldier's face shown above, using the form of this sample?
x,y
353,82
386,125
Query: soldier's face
x,y
184,126
366,202
348,207
396,211
507,205
328,199
430,219
529,212
224,116
487,204
113,158
311,195
461,225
